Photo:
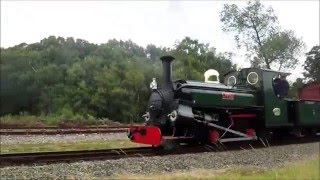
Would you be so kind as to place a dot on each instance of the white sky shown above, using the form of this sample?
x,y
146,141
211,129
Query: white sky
x,y
144,22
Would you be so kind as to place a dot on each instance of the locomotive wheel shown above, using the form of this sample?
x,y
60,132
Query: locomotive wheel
x,y
265,134
201,134
311,132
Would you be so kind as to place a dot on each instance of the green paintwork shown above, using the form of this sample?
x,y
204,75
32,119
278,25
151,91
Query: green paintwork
x,y
271,101
308,112
214,98
268,98
262,94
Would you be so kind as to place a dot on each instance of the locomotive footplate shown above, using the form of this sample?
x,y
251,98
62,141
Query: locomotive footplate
x,y
145,134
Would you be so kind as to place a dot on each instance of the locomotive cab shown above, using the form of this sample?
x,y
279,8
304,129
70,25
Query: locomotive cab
x,y
275,107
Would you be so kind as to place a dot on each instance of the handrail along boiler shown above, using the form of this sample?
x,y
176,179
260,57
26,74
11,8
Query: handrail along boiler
x,y
244,107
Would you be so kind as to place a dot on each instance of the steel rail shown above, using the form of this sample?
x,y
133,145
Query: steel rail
x,y
86,155
60,131
110,154
3,126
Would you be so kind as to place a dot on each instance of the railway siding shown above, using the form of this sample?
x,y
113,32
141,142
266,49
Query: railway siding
x,y
59,131
36,139
266,158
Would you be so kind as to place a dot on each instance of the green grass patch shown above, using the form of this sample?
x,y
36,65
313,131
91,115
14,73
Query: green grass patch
x,y
300,170
66,146
26,120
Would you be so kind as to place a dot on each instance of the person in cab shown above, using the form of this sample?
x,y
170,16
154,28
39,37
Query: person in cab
x,y
281,86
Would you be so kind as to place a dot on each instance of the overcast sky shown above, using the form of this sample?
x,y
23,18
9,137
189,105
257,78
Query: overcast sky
x,y
157,22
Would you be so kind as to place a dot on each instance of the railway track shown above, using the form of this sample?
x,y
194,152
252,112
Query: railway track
x,y
110,154
52,130
58,127
86,155
59,131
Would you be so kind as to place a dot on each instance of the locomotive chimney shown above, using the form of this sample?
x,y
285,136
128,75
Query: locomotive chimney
x,y
167,69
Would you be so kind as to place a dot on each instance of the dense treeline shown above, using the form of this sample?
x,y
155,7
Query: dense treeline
x,y
75,78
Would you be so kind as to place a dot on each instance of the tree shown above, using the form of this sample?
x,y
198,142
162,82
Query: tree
x,y
75,79
283,48
312,64
256,27
154,53
18,90
189,54
194,58
295,88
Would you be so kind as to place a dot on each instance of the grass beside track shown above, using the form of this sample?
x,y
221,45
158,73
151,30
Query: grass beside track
x,y
308,169
66,146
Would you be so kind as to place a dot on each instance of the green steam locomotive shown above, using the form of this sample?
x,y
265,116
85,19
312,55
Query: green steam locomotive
x,y
248,105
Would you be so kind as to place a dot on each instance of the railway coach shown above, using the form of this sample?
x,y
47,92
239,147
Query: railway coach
x,y
246,106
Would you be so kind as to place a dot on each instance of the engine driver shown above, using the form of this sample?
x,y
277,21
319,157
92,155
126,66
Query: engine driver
x,y
281,86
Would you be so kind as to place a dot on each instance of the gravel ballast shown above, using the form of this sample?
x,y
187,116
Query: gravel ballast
x,y
17,139
266,158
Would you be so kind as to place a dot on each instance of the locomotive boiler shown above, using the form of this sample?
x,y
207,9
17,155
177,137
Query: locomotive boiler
x,y
244,107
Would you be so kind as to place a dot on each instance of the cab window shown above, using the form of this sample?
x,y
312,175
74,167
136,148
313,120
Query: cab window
x,y
280,86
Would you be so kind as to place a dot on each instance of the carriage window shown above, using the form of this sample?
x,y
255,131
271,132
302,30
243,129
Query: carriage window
x,y
231,81
252,78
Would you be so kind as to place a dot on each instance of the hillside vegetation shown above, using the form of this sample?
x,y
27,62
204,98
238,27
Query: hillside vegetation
x,y
76,79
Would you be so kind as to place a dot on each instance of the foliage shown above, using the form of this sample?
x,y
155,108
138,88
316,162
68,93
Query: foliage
x,y
74,79
312,64
195,58
256,27
295,88
282,49
24,119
